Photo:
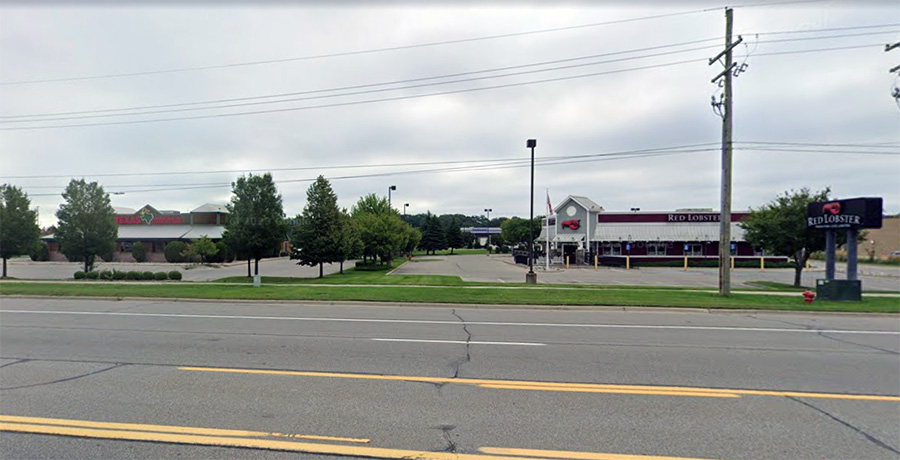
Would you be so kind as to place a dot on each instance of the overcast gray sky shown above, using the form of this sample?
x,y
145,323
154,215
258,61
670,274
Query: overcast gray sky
x,y
813,97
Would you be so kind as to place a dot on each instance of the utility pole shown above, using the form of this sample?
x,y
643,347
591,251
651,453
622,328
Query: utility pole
x,y
895,91
725,106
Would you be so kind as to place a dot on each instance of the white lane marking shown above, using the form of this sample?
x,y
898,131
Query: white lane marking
x,y
456,323
463,342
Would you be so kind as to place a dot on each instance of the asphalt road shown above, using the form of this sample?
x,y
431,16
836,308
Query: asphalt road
x,y
87,378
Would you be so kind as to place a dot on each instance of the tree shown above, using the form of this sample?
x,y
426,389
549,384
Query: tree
x,y
515,230
86,224
255,227
351,244
780,227
433,238
202,248
453,234
139,252
382,232
318,237
19,231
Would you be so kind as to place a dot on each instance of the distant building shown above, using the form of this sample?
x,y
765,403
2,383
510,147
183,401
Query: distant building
x,y
156,228
582,229
482,234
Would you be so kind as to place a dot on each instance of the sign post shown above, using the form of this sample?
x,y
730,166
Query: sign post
x,y
852,215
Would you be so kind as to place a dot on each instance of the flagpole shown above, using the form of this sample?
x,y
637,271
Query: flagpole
x,y
547,232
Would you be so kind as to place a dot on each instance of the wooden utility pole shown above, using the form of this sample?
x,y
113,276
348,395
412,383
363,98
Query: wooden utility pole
x,y
725,212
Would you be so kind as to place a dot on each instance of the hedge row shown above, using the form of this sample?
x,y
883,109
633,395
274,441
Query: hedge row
x,y
118,275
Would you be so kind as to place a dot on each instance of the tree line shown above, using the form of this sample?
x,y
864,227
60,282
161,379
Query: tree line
x,y
324,233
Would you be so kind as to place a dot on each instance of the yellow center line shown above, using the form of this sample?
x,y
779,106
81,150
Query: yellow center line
x,y
559,386
565,454
328,449
170,429
610,391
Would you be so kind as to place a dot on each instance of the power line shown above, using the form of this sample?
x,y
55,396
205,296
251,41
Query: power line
x,y
319,167
414,96
879,145
518,163
363,92
369,85
827,37
357,52
343,104
830,29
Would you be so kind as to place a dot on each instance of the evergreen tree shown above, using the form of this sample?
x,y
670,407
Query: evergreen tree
x,y
453,234
317,238
87,223
433,238
255,226
19,231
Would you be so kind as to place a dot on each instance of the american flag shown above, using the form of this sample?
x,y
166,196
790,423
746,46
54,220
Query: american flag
x,y
549,206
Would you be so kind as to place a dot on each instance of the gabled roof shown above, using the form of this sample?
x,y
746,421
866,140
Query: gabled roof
x,y
209,207
582,201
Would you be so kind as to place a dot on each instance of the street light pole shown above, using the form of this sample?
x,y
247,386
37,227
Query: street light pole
x,y
405,205
393,187
531,276
488,211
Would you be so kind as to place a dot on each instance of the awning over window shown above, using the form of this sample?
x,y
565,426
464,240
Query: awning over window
x,y
664,232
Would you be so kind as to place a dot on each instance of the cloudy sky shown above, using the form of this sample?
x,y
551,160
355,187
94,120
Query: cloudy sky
x,y
346,92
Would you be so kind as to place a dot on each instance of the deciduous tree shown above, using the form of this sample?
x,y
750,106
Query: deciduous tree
x,y
255,226
19,231
86,224
780,228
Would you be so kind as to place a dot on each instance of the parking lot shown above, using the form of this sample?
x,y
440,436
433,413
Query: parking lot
x,y
483,268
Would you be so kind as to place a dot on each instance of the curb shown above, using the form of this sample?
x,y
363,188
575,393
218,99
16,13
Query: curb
x,y
356,303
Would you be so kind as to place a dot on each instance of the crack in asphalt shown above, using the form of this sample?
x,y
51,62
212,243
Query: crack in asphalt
x,y
446,429
822,334
20,361
32,385
871,438
468,344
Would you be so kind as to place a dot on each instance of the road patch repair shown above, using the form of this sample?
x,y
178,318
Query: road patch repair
x,y
256,440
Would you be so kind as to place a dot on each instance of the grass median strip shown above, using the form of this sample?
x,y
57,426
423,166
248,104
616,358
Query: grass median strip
x,y
451,294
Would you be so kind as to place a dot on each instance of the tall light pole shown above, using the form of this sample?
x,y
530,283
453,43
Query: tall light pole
x,y
405,205
531,276
488,211
393,187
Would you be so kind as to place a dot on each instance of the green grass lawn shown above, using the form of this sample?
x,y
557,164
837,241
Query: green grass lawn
x,y
448,294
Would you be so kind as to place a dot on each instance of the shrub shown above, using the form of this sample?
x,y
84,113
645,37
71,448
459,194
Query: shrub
x,y
107,257
173,251
39,252
106,275
79,275
223,253
118,275
92,275
147,275
138,252
133,275
175,275
160,276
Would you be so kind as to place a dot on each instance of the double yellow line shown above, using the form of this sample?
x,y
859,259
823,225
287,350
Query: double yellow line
x,y
560,386
252,439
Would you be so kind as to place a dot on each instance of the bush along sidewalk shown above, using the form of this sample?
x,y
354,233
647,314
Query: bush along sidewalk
x,y
117,275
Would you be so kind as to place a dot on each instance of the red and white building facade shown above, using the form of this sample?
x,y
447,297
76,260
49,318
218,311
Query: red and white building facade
x,y
582,229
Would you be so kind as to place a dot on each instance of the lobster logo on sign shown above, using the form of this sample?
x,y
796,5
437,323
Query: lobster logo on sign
x,y
833,208
573,224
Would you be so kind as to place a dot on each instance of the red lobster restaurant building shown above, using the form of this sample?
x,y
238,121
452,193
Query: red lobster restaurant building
x,y
156,228
581,229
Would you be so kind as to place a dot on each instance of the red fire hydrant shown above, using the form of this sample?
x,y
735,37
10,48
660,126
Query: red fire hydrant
x,y
809,296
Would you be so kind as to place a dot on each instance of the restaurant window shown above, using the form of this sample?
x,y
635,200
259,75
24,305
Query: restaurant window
x,y
656,249
695,249
612,249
